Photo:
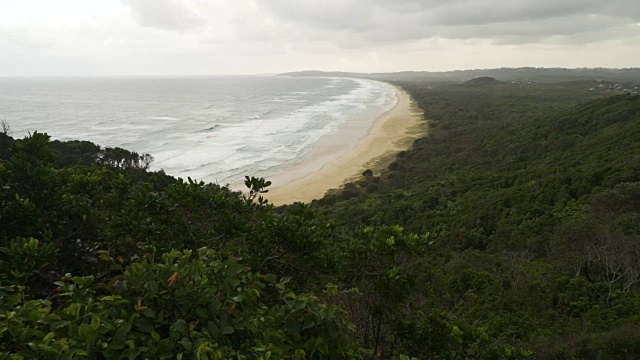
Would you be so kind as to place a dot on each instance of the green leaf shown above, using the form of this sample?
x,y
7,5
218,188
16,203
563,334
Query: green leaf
x,y
151,289
165,349
148,313
391,241
186,344
144,325
120,336
59,324
47,339
227,330
235,268
85,331
178,329
95,322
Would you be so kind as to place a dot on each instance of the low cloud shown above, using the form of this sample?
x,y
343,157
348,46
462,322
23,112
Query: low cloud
x,y
173,15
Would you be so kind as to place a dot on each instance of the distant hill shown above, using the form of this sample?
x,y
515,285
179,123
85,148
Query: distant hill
x,y
629,75
483,81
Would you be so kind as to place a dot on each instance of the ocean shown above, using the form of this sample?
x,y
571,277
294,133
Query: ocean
x,y
216,129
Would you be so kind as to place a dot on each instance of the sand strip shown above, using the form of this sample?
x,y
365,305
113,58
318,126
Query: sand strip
x,y
392,132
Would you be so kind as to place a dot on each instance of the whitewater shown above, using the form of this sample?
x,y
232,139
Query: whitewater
x,y
215,129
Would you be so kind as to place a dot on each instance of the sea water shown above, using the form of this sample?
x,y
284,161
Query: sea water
x,y
215,129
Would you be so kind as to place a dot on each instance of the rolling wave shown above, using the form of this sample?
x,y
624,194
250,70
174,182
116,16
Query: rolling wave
x,y
224,129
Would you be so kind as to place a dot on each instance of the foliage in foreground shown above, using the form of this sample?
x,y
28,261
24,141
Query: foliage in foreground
x,y
175,305
88,270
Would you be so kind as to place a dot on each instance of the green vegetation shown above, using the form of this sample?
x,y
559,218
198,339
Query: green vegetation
x,y
531,192
509,232
90,266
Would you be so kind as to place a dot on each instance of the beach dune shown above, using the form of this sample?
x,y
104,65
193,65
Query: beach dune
x,y
390,133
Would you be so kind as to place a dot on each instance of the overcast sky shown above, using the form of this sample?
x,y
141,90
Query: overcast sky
x,y
184,37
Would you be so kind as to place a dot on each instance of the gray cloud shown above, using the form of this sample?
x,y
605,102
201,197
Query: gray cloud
x,y
241,36
164,14
357,23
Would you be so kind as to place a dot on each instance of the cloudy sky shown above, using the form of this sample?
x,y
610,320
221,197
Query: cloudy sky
x,y
189,37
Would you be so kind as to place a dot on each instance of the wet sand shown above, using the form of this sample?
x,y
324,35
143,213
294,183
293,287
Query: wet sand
x,y
390,133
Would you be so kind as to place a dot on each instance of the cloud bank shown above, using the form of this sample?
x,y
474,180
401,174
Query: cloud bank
x,y
250,36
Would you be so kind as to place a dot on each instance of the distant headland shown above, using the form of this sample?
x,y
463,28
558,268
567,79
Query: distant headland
x,y
523,74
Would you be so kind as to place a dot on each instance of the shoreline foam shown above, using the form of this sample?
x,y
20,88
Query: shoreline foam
x,y
391,132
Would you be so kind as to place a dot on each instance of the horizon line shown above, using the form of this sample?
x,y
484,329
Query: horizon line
x,y
312,70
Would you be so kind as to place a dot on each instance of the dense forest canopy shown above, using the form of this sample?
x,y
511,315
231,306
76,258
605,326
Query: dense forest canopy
x,y
511,230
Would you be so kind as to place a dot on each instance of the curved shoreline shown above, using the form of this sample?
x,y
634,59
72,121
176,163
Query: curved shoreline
x,y
390,133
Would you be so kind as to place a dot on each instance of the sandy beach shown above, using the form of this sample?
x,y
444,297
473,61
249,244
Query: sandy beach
x,y
390,133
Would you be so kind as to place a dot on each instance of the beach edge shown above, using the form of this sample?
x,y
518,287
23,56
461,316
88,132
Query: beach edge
x,y
391,132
